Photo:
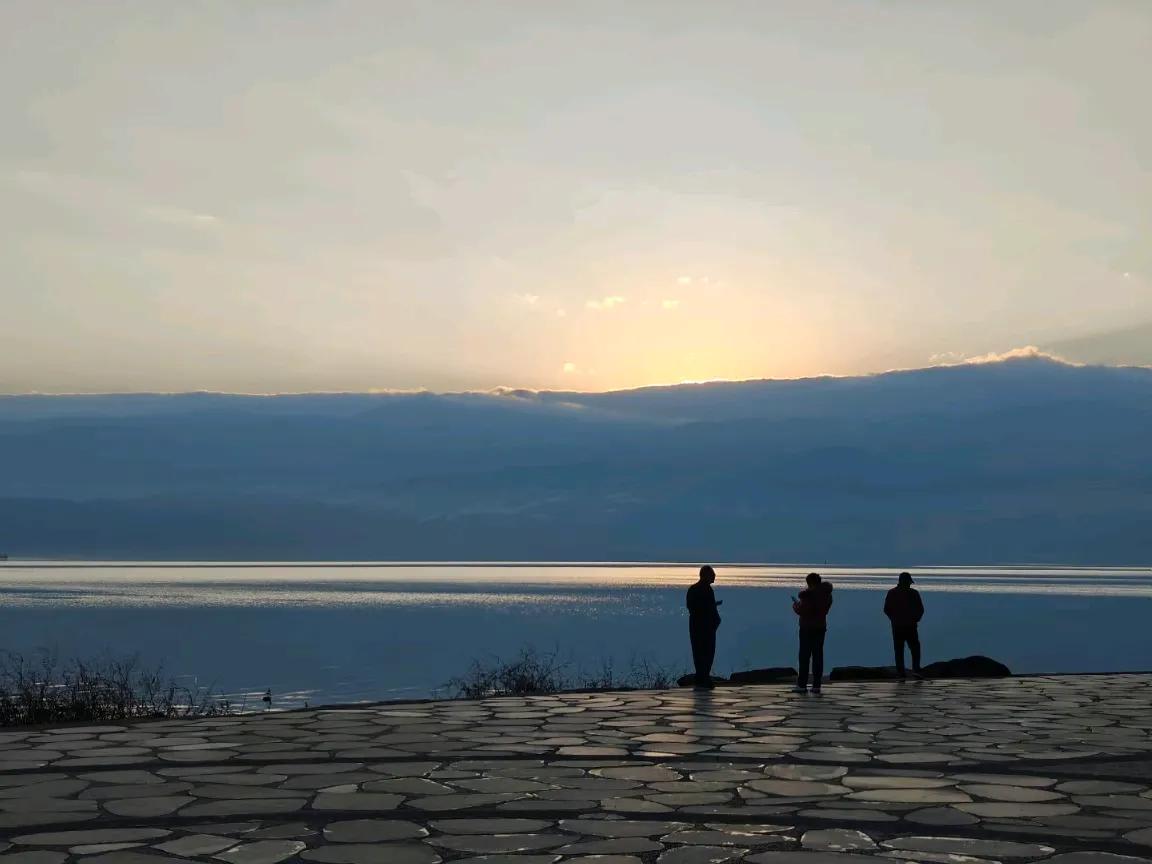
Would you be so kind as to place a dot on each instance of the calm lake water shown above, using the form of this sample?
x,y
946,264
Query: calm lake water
x,y
328,633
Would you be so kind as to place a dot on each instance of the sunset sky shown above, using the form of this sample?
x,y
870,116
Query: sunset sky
x,y
358,194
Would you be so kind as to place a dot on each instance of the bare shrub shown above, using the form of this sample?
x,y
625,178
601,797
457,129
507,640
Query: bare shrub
x,y
43,689
535,673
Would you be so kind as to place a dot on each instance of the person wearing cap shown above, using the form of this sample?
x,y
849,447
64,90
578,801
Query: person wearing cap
x,y
703,621
904,609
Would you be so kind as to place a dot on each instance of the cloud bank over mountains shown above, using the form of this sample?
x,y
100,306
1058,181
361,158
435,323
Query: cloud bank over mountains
x,y
1002,459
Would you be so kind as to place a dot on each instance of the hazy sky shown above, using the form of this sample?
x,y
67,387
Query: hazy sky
x,y
332,194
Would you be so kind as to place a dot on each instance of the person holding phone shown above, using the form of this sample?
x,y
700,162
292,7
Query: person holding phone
x,y
703,621
811,608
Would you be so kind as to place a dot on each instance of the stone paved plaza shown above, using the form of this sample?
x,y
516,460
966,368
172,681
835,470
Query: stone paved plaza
x,y
1013,770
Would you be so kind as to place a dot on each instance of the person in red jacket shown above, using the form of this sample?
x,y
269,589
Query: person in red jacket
x,y
904,609
811,607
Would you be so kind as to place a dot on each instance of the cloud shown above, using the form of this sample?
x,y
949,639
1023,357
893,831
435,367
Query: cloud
x,y
569,368
684,280
528,299
179,216
1027,352
605,303
671,304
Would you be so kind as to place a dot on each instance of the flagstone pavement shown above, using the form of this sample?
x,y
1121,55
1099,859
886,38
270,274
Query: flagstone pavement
x,y
1055,769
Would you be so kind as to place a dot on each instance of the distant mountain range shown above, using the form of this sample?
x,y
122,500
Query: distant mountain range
x,y
1028,460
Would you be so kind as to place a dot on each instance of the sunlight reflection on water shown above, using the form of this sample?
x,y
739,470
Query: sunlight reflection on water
x,y
430,585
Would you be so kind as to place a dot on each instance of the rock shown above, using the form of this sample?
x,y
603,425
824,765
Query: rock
x,y
863,673
976,666
771,675
689,680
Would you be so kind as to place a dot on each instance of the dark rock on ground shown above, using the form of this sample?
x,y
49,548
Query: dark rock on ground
x,y
690,681
771,675
863,673
977,666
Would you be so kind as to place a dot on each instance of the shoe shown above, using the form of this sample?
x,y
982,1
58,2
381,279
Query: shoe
x,y
917,675
815,691
799,689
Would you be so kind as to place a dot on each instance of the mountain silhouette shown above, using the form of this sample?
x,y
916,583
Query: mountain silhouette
x,y
1025,460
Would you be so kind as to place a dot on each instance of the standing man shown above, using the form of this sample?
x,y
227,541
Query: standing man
x,y
703,621
904,609
812,609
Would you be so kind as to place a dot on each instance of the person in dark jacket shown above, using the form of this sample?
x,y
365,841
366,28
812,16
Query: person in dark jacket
x,y
703,621
811,607
904,609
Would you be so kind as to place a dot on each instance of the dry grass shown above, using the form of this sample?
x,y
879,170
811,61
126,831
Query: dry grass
x,y
43,689
534,673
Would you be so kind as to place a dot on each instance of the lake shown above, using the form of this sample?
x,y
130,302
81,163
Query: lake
x,y
327,633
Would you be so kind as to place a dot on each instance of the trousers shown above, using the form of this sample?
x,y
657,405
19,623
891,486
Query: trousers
x,y
906,634
811,651
703,635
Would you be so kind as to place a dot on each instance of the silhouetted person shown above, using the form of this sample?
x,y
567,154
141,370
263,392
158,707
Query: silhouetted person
x,y
703,621
904,609
812,609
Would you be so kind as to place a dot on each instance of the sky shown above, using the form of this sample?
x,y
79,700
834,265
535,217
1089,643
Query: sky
x,y
294,195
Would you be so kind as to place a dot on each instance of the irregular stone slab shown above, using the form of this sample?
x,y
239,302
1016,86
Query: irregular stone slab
x,y
1007,780
1010,793
1097,787
119,791
441,803
490,826
617,846
244,807
148,807
620,827
911,796
97,848
503,843
195,844
941,816
38,856
284,831
373,831
224,790
410,786
546,859
50,789
261,852
383,853
224,828
725,837
641,773
970,846
1115,802
1017,811
700,855
357,801
805,857
1143,836
834,815
92,835
806,772
935,857
796,788
128,858
1096,858
836,840
868,782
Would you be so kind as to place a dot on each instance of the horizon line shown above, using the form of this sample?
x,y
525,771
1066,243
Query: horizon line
x,y
1028,353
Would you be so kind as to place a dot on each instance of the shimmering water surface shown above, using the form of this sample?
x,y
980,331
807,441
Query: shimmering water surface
x,y
344,632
